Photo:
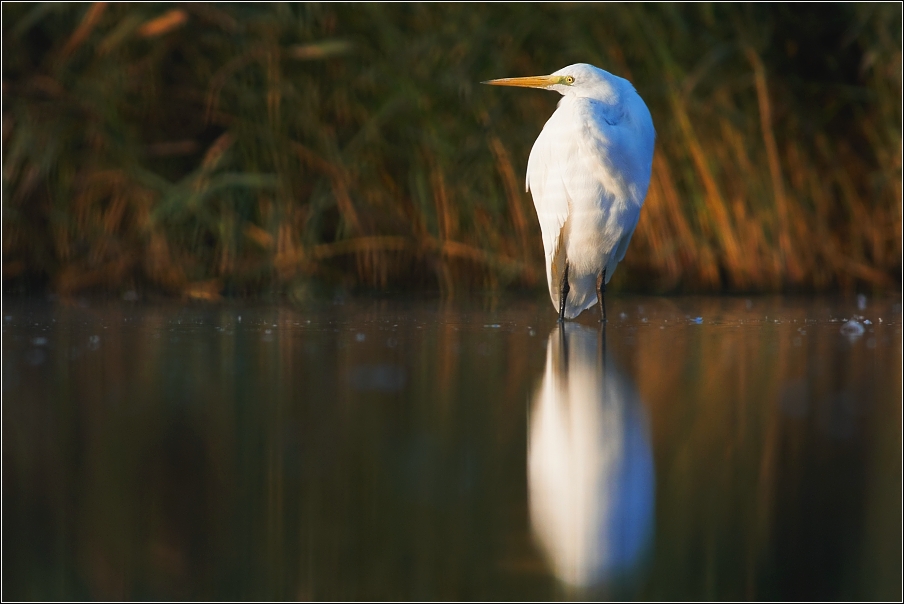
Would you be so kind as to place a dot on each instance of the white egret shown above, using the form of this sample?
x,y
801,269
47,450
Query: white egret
x,y
588,173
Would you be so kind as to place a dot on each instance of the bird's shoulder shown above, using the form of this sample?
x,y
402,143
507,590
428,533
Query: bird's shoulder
x,y
589,115
568,148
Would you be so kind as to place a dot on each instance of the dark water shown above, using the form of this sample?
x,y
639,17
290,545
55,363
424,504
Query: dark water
x,y
700,448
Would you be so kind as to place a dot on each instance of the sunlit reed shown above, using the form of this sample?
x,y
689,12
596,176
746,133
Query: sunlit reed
x,y
206,150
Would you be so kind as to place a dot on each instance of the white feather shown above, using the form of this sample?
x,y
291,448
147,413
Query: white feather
x,y
588,172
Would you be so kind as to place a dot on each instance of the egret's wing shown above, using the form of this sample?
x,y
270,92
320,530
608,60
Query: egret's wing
x,y
622,248
609,175
600,170
546,170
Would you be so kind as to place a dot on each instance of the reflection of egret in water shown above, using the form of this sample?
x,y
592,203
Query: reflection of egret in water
x,y
590,466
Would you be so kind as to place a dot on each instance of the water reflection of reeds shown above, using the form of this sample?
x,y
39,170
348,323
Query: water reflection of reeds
x,y
187,455
188,462
751,422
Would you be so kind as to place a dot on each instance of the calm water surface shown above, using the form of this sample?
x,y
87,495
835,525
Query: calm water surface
x,y
699,448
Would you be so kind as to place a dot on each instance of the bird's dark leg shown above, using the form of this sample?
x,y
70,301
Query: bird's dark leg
x,y
602,347
601,294
563,295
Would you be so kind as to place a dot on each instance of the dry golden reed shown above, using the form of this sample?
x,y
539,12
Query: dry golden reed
x,y
205,150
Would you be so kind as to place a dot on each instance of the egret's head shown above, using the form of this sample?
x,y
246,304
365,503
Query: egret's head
x,y
579,79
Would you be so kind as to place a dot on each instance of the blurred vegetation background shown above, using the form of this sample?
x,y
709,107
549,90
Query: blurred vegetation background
x,y
205,150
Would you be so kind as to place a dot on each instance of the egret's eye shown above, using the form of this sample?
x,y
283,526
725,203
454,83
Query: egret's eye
x,y
569,80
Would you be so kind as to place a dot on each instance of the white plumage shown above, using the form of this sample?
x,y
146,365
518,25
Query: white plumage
x,y
588,172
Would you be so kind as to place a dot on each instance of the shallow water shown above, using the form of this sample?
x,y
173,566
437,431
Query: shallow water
x,y
699,448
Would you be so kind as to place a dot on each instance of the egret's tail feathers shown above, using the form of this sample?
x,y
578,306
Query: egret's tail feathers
x,y
582,295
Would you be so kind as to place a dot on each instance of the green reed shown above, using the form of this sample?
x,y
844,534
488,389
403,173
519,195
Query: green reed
x,y
203,150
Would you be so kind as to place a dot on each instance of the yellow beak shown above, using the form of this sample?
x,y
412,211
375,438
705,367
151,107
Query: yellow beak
x,y
528,82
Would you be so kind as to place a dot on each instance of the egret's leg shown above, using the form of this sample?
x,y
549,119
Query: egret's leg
x,y
602,346
601,294
563,295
